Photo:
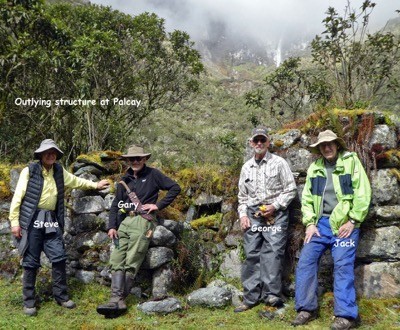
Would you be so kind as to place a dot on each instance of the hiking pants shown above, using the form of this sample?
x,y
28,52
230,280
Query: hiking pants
x,y
343,253
264,247
134,235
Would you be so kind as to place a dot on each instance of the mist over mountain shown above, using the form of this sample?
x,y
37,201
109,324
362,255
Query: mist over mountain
x,y
257,31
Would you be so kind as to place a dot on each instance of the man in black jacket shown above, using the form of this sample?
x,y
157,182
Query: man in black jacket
x,y
131,225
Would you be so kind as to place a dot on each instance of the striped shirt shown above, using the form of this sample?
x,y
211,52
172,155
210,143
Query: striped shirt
x,y
269,182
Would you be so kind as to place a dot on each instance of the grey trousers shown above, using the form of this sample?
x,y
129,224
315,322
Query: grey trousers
x,y
264,247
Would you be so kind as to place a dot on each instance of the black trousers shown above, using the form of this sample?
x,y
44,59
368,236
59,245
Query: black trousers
x,y
53,246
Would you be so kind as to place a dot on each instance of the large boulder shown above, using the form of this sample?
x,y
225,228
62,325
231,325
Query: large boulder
x,y
378,280
210,297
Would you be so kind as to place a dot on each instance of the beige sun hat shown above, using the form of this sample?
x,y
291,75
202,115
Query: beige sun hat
x,y
326,136
136,151
45,145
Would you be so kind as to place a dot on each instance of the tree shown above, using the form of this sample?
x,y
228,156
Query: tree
x,y
87,53
291,88
359,65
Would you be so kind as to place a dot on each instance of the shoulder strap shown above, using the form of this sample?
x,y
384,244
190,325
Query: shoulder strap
x,y
135,200
125,186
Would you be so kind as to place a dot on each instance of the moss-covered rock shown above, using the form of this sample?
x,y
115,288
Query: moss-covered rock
x,y
211,221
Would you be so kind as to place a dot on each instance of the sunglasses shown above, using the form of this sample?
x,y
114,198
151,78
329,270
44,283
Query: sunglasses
x,y
260,139
135,159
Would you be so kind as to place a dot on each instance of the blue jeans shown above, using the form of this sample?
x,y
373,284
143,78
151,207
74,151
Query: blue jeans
x,y
343,253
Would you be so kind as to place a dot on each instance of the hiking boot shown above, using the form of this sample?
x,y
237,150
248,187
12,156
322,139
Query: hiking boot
x,y
116,305
274,301
242,308
30,311
67,304
342,323
303,317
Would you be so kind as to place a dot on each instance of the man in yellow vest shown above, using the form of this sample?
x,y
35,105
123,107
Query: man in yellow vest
x,y
37,220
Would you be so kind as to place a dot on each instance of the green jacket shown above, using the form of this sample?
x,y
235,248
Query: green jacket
x,y
352,188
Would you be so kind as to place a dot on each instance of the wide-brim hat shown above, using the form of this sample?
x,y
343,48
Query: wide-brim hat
x,y
136,151
326,136
47,145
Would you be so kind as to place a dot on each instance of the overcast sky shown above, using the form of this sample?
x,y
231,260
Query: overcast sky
x,y
265,20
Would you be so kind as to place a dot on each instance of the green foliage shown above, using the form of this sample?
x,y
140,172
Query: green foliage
x,y
188,268
290,87
62,51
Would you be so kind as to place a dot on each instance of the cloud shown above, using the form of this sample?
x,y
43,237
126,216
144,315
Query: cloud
x,y
265,21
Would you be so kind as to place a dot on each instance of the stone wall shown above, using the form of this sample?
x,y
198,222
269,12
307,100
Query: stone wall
x,y
218,233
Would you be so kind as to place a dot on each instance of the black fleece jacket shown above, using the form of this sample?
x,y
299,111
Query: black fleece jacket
x,y
146,186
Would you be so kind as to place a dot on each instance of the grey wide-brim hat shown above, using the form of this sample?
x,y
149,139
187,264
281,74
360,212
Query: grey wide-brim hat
x,y
136,151
47,145
326,136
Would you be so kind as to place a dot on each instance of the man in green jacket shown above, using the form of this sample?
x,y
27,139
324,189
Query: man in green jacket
x,y
335,202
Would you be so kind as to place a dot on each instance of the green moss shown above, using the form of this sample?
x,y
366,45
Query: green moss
x,y
110,155
208,178
278,143
5,168
92,157
392,158
211,221
396,173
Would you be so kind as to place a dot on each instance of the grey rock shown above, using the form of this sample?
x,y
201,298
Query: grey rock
x,y
79,193
380,243
383,135
77,165
85,241
165,306
5,227
305,140
85,276
89,260
286,140
226,207
299,160
233,240
386,188
387,215
103,217
237,295
87,222
157,256
207,199
108,199
14,176
68,225
5,206
174,226
162,280
163,237
190,213
89,169
89,176
88,204
231,265
210,297
378,280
